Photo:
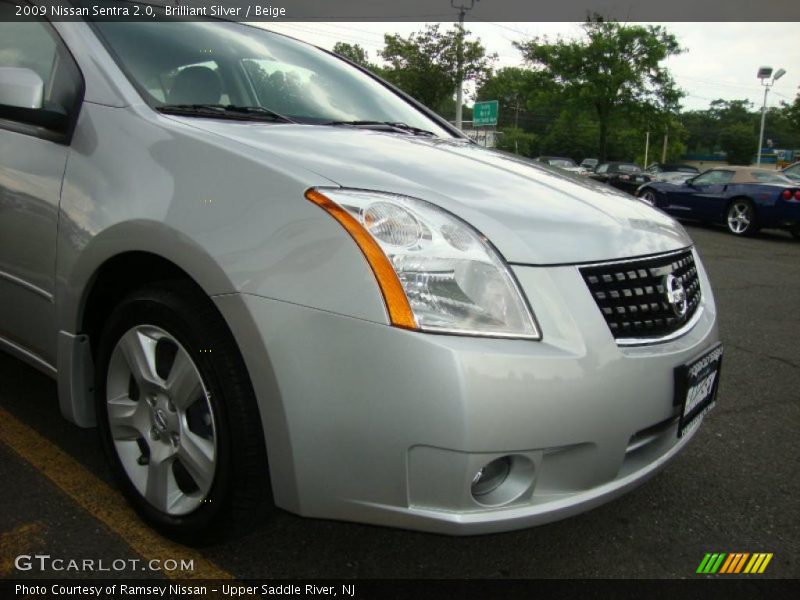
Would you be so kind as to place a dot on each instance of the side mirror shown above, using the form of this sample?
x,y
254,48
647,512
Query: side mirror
x,y
21,88
21,99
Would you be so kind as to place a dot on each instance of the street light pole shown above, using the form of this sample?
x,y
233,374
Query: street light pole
x,y
763,120
764,74
462,11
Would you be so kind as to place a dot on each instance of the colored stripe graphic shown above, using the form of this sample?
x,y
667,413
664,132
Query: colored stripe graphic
x,y
711,563
727,564
734,563
767,558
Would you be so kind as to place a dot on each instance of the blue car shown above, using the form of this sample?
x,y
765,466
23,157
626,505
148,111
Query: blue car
x,y
744,199
792,172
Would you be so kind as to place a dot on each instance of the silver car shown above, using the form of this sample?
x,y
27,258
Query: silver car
x,y
270,278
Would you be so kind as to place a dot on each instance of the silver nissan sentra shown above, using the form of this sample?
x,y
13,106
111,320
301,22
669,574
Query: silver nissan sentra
x,y
269,277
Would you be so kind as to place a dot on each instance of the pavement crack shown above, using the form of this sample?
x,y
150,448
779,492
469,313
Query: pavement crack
x,y
765,355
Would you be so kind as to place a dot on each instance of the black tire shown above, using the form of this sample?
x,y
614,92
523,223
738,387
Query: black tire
x,y
240,491
736,212
795,231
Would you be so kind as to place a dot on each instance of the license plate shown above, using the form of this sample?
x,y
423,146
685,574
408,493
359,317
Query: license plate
x,y
640,180
696,385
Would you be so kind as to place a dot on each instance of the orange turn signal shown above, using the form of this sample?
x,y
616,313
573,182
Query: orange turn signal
x,y
400,313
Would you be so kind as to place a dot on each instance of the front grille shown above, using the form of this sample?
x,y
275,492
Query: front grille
x,y
633,296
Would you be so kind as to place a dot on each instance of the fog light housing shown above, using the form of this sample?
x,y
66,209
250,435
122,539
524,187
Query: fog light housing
x,y
491,476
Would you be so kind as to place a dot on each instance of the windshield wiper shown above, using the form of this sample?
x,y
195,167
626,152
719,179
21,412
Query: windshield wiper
x,y
383,126
224,111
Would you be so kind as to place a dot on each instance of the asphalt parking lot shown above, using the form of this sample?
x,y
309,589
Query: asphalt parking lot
x,y
736,488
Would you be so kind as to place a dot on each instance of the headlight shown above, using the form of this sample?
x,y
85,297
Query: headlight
x,y
435,271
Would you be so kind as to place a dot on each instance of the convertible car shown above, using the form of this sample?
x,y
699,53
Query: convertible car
x,y
792,172
742,198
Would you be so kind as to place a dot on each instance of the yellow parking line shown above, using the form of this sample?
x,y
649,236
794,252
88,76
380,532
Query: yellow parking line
x,y
20,540
100,500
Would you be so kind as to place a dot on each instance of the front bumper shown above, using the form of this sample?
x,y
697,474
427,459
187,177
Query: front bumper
x,y
369,423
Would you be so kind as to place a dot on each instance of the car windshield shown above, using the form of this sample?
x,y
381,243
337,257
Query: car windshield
x,y
561,162
225,63
628,168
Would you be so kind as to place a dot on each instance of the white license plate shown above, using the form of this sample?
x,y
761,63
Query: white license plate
x,y
696,385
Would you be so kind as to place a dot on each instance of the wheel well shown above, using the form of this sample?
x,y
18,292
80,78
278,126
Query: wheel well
x,y
118,277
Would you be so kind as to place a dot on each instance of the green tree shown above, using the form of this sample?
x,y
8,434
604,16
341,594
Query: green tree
x,y
572,134
793,112
614,68
353,52
704,127
425,63
783,126
513,139
739,142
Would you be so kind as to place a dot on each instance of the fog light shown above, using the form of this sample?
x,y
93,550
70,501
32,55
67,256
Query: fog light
x,y
491,476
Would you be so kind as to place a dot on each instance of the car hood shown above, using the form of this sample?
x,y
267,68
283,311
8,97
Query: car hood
x,y
533,214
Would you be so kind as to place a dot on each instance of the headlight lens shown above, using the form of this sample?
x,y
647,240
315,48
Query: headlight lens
x,y
451,277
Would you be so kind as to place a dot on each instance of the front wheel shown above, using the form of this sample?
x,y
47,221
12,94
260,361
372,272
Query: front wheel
x,y
176,412
741,218
795,231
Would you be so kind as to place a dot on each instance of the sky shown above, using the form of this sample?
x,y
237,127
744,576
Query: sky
x,y
721,59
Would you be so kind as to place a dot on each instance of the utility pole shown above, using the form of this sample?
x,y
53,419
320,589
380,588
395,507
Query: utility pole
x,y
646,147
462,11
664,149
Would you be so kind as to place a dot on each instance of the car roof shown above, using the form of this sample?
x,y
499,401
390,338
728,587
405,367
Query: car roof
x,y
745,174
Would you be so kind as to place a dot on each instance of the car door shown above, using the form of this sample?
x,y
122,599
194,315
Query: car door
x,y
700,198
33,157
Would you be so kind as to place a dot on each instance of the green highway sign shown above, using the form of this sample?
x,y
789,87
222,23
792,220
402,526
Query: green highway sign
x,y
484,113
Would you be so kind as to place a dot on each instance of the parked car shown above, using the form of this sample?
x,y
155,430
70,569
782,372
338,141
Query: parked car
x,y
263,273
560,162
744,199
621,175
589,164
792,172
671,172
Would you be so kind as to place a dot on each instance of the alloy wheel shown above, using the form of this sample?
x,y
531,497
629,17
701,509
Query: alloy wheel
x,y
740,217
649,197
161,420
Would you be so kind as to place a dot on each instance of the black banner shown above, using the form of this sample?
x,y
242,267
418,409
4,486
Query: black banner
x,y
410,10
734,587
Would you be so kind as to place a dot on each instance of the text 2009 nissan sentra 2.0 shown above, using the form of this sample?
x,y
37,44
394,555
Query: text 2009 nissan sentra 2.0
x,y
264,273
